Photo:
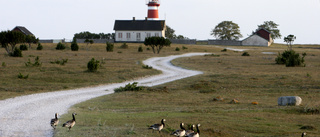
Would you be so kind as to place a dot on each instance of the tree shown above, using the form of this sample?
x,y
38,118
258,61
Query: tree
x,y
89,42
272,28
227,30
289,40
157,43
11,38
170,32
31,39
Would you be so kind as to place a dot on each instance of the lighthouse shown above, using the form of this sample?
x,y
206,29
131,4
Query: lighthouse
x,y
153,6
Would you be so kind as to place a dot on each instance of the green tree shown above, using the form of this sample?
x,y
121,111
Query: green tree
x,y
157,43
89,42
31,40
289,40
227,30
93,65
11,38
170,32
272,28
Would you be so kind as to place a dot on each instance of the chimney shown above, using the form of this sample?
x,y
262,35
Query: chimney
x,y
134,18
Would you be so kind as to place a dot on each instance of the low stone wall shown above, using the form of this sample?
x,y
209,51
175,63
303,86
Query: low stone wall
x,y
225,42
97,40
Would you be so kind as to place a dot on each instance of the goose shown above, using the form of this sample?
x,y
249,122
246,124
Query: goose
x,y
158,127
303,134
195,134
191,130
180,132
69,124
55,121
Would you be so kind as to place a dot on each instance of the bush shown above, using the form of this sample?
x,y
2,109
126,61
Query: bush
x,y
245,54
17,53
290,58
124,46
35,64
20,76
129,87
140,49
40,47
60,46
74,46
62,62
177,49
23,47
109,47
224,50
146,67
93,65
183,47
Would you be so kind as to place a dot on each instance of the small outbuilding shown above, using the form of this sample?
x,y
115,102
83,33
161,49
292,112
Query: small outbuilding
x,y
22,29
261,37
137,30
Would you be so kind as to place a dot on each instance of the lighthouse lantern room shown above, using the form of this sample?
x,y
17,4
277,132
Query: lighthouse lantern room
x,y
153,6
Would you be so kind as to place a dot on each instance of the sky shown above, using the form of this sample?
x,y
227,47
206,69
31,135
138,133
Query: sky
x,y
58,19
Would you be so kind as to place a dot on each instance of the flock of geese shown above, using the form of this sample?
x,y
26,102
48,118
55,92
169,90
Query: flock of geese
x,y
182,132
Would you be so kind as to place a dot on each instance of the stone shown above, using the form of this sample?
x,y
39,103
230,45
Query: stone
x,y
289,101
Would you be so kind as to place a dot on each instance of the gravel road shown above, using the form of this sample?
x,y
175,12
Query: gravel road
x,y
30,115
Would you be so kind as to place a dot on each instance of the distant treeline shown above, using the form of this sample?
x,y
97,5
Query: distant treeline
x,y
88,35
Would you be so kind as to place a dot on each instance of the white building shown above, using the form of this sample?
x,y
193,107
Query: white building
x,y
138,30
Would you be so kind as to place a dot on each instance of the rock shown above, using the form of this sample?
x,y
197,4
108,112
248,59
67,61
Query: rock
x,y
289,101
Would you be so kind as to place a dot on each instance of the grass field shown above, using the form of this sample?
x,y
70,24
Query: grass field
x,y
254,78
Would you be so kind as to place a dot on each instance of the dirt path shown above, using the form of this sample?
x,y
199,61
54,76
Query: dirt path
x,y
30,115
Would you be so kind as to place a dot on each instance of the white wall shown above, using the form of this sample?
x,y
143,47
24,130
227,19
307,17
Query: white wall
x,y
133,35
255,40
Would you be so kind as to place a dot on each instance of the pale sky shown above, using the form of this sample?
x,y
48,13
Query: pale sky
x,y
58,19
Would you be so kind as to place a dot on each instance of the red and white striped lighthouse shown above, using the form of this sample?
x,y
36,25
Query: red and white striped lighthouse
x,y
153,6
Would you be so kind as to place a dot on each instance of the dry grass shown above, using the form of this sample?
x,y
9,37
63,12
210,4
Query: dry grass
x,y
248,79
117,66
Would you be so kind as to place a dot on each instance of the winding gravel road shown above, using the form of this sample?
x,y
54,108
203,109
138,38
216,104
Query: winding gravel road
x,y
30,115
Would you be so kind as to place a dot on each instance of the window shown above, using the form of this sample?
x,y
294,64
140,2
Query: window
x,y
148,34
138,37
156,34
128,35
119,35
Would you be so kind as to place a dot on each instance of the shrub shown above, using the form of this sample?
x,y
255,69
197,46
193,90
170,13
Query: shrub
x,y
224,50
23,47
62,62
129,87
140,49
177,49
93,65
109,47
290,58
124,46
4,64
245,54
20,76
17,53
60,46
183,47
148,48
146,67
35,64
40,47
74,46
